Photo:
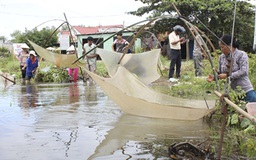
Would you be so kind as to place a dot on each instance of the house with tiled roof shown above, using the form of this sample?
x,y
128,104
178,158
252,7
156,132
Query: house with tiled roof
x,y
99,34
97,29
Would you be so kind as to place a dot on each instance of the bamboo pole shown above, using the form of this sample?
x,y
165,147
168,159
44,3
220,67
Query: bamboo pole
x,y
224,119
156,18
241,111
38,67
134,38
205,49
224,110
7,78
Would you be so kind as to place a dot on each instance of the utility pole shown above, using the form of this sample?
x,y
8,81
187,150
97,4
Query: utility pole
x,y
254,40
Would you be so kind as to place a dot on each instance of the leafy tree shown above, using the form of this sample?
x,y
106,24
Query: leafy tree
x,y
45,37
3,38
216,15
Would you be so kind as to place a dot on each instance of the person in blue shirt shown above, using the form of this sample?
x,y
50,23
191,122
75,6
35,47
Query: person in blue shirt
x,y
31,64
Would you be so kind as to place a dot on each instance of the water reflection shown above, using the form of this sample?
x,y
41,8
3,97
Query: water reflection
x,y
130,132
29,96
68,121
90,92
73,93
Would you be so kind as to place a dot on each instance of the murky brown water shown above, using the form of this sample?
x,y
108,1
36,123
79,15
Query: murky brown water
x,y
79,122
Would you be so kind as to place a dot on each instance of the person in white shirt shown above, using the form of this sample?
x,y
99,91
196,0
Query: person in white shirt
x,y
91,57
175,54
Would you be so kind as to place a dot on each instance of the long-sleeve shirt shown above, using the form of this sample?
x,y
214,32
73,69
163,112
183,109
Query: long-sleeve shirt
x,y
22,58
31,66
197,49
239,76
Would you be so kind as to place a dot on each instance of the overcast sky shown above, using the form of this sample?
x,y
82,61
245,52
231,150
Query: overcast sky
x,y
21,14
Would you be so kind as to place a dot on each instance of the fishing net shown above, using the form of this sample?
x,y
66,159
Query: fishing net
x,y
128,85
143,65
137,98
6,80
60,60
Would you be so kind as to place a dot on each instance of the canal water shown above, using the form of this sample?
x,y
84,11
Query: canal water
x,y
79,122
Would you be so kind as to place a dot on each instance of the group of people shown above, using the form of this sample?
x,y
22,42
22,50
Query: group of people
x,y
28,63
229,48
119,46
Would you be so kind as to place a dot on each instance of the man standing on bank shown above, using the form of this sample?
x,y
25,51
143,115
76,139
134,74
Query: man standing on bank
x,y
175,53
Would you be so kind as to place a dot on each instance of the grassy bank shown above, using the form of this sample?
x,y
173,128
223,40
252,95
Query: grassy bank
x,y
47,72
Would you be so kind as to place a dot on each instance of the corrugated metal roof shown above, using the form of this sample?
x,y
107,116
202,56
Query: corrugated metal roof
x,y
95,29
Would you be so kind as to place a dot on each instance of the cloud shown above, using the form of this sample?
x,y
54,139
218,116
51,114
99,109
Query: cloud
x,y
18,15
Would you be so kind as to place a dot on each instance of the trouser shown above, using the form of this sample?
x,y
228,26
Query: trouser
x,y
74,73
250,96
175,56
198,65
23,72
90,67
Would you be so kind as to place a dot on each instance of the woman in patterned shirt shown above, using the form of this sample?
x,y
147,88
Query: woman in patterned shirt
x,y
22,57
120,44
240,68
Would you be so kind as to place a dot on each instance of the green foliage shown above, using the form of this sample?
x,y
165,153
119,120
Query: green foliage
x,y
55,75
4,52
44,37
10,65
196,88
48,73
138,50
101,69
240,133
190,86
245,123
3,38
217,15
252,70
249,146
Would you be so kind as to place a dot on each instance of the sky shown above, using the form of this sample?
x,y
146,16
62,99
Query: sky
x,y
28,14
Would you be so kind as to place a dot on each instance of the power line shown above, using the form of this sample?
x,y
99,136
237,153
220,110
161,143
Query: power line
x,y
38,16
